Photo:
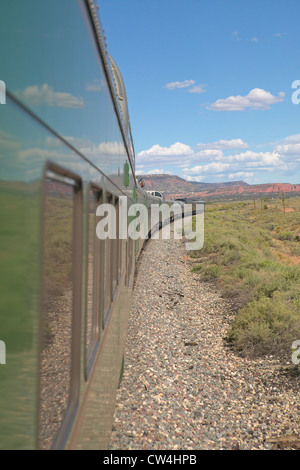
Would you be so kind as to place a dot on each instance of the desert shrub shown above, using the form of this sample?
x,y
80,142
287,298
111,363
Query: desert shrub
x,y
285,235
211,272
269,226
265,326
197,268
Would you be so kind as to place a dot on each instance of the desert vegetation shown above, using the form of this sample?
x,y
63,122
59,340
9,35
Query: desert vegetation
x,y
252,252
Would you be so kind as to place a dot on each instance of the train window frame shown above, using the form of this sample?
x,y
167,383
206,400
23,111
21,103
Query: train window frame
x,y
55,172
91,349
107,269
115,251
119,244
130,251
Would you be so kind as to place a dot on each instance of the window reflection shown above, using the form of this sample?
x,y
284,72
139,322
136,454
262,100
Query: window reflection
x,y
93,278
57,307
108,267
115,250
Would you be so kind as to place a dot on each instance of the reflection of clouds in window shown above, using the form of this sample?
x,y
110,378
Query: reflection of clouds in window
x,y
95,85
45,95
39,153
62,155
8,142
104,148
89,148
104,155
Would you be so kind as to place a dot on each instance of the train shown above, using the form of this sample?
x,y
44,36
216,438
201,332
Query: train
x,y
66,149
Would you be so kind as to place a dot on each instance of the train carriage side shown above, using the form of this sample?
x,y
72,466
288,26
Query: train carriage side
x,y
64,292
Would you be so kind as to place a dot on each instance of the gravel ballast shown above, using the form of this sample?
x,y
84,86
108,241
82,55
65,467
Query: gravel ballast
x,y
183,387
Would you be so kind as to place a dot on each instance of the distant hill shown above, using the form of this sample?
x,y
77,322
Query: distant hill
x,y
173,187
172,184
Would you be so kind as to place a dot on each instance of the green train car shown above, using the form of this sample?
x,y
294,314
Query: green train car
x,y
65,148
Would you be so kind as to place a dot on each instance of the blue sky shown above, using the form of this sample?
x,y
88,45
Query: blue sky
x,y
209,86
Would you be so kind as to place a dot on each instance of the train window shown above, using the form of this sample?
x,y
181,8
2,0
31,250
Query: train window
x,y
122,241
107,269
130,252
120,244
93,280
60,307
129,258
115,250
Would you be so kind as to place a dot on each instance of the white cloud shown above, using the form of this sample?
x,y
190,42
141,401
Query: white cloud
x,y
195,178
197,89
256,99
243,166
177,149
209,154
184,84
208,161
292,138
254,39
257,158
38,95
158,171
224,144
214,167
213,158
289,147
241,175
280,35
